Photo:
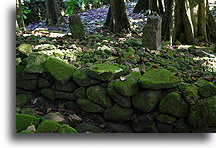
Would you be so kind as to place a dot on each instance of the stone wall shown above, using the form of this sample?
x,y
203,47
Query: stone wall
x,y
121,101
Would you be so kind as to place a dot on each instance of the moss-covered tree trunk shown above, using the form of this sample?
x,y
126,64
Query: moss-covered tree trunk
x,y
53,14
117,19
142,5
19,16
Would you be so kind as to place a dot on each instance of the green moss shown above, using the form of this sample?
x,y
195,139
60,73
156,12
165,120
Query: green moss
x,y
158,79
85,128
23,121
97,94
80,92
30,85
49,93
191,94
207,90
60,70
29,111
66,129
25,49
22,99
68,87
43,83
48,126
26,131
166,119
173,104
89,106
203,114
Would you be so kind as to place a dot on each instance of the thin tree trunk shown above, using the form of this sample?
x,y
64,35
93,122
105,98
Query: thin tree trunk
x,y
19,15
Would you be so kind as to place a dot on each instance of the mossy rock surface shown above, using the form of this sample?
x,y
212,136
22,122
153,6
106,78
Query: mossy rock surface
x,y
117,114
166,119
98,94
207,90
129,86
49,93
105,72
203,114
60,70
121,100
36,63
182,126
158,79
25,49
70,105
174,104
29,111
81,78
25,131
191,94
80,92
23,121
70,86
146,100
64,95
22,99
48,126
43,83
66,129
89,106
30,85
86,128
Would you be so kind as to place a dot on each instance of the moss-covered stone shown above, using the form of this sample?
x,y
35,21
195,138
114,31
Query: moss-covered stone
x,y
81,78
166,119
203,114
117,114
97,94
165,128
89,106
76,27
43,83
29,76
48,126
29,111
158,79
129,86
191,94
64,95
23,121
49,93
181,126
105,72
85,128
66,129
55,116
146,100
207,90
70,105
60,70
119,127
173,104
36,63
30,85
22,99
25,131
25,49
68,87
80,92
121,100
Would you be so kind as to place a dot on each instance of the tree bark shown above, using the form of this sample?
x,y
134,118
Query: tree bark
x,y
19,15
117,19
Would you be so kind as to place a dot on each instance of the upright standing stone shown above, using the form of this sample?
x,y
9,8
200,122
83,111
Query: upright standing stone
x,y
76,27
152,33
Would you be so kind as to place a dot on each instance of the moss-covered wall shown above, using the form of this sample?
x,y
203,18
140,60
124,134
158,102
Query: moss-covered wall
x,y
154,101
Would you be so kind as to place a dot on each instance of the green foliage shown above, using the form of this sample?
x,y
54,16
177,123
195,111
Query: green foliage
x,y
70,5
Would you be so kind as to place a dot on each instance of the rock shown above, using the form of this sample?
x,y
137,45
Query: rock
x,y
70,105
18,61
97,94
49,93
81,78
60,70
105,72
166,119
25,131
89,106
121,100
66,129
173,104
129,86
48,126
64,96
181,126
97,118
76,27
43,83
207,90
158,79
25,49
203,114
151,38
30,85
22,99
118,114
80,92
146,100
29,111
57,117
191,94
165,128
119,128
68,87
28,76
36,63
86,128
23,121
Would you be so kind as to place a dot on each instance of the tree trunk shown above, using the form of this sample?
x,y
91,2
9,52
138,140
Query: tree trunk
x,y
117,19
19,15
142,5
53,14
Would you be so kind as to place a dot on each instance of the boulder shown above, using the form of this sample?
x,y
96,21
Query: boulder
x,y
174,104
49,93
64,95
165,128
66,129
76,27
119,127
207,90
30,85
191,94
89,106
43,83
166,119
25,49
88,128
158,79
80,92
48,126
70,105
22,99
70,86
